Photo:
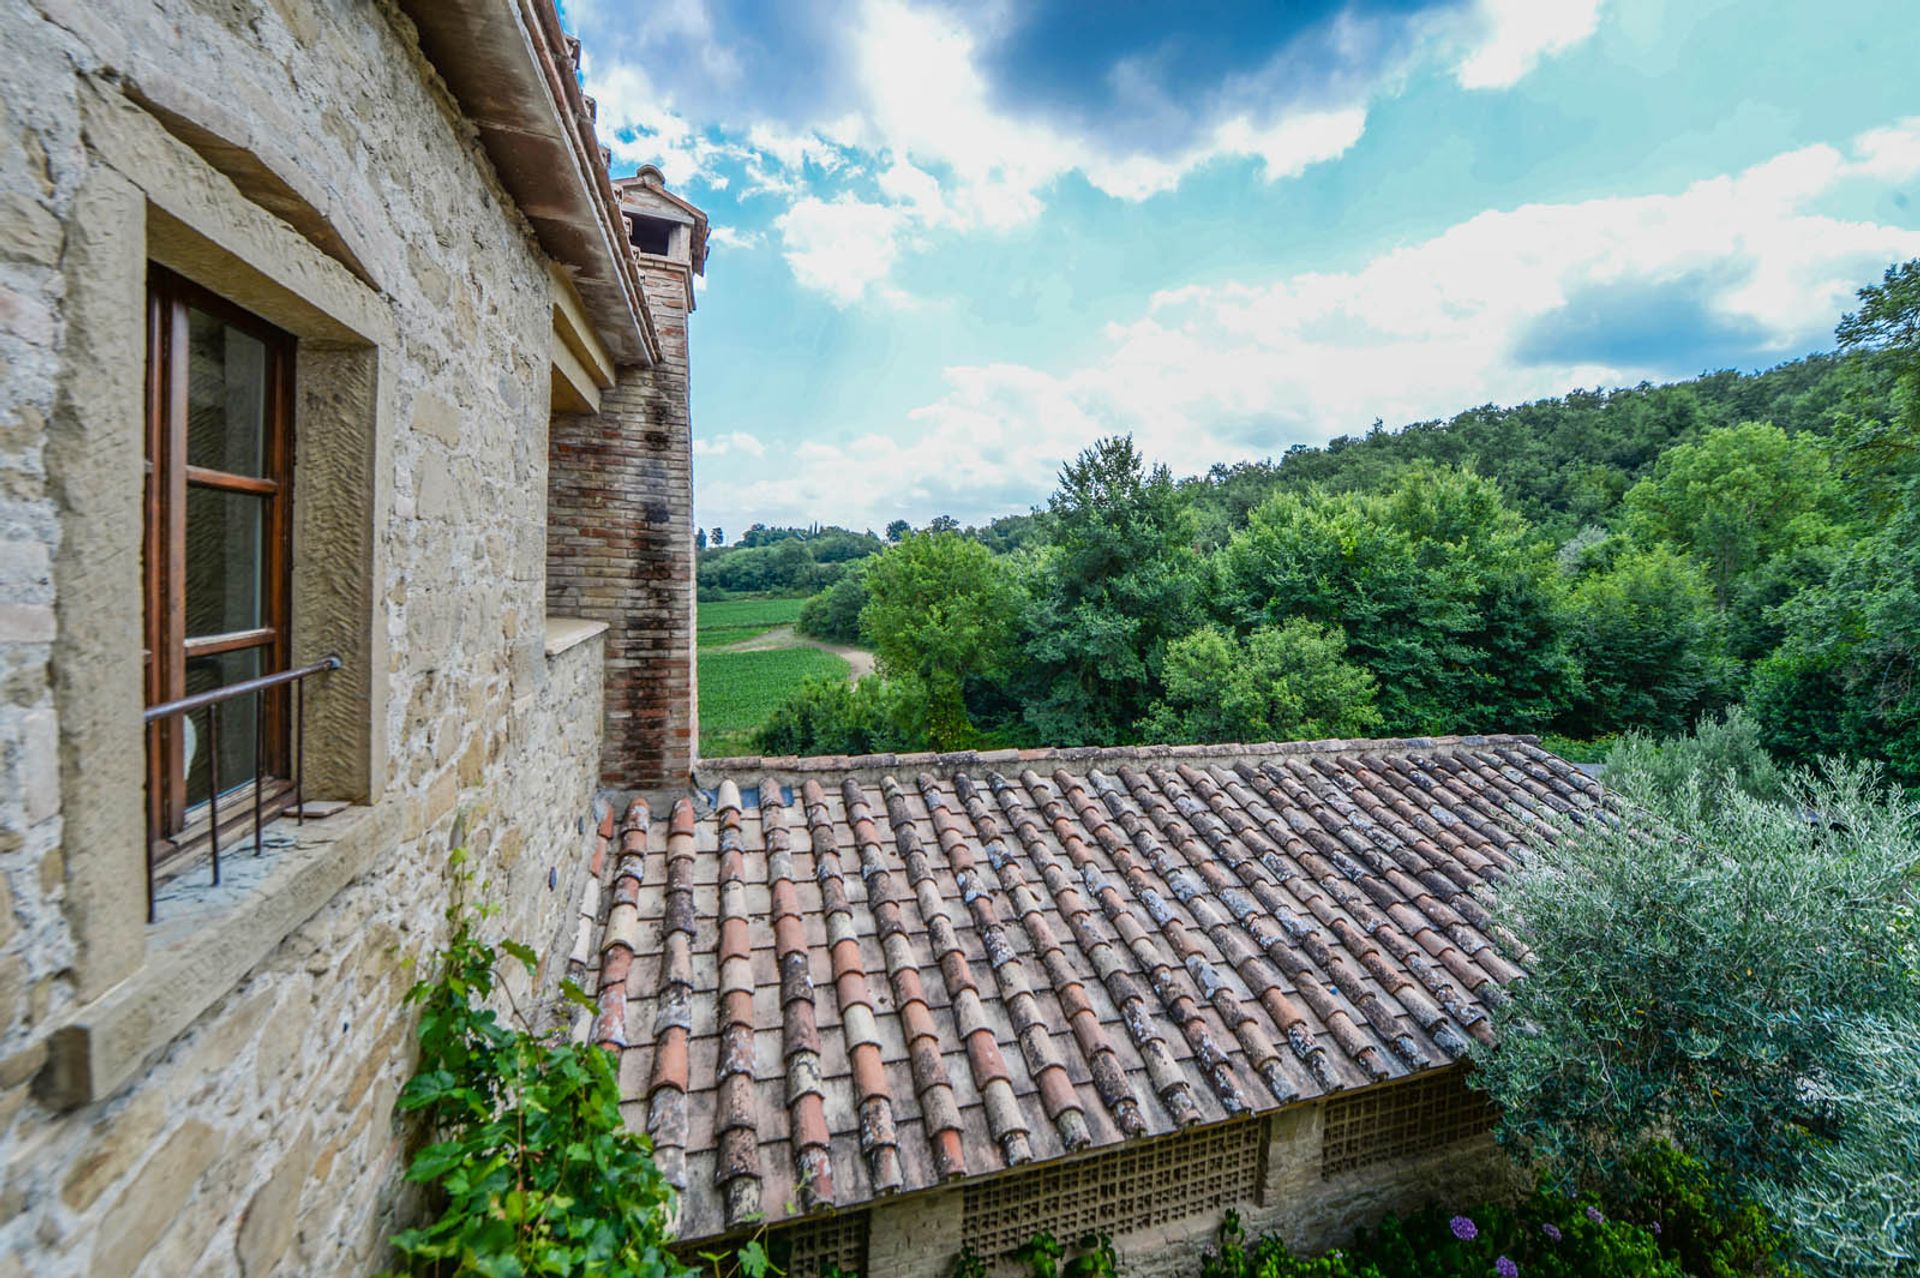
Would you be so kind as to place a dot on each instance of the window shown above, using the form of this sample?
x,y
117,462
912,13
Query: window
x,y
651,234
218,505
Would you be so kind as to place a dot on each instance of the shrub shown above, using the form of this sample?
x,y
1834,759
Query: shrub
x,y
527,1158
1701,1220
1550,1236
1854,1209
1686,1224
1731,976
1723,756
1574,750
833,716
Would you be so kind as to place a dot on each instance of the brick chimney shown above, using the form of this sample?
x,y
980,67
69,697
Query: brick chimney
x,y
620,510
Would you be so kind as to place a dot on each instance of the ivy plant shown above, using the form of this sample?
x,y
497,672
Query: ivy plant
x,y
526,1159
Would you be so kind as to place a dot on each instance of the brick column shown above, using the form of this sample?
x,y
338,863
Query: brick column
x,y
620,547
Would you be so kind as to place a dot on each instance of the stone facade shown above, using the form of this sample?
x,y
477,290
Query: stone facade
x,y
213,1094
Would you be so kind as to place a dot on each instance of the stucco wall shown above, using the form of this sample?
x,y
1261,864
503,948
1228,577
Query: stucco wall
x,y
263,1131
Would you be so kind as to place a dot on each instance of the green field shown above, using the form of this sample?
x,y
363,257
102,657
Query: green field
x,y
733,620
738,690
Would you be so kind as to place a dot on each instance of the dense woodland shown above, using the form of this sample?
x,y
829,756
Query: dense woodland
x,y
1583,566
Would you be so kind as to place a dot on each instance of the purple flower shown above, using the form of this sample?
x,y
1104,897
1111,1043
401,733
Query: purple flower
x,y
1551,1230
1463,1229
1593,1214
1656,1229
1506,1268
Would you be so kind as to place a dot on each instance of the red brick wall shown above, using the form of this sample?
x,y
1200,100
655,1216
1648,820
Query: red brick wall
x,y
620,548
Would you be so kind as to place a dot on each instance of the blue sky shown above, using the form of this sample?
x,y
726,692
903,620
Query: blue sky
x,y
955,243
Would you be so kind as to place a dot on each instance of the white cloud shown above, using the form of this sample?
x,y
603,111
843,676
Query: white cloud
x,y
1288,147
733,237
1506,306
1514,35
841,247
738,442
640,126
928,139
948,157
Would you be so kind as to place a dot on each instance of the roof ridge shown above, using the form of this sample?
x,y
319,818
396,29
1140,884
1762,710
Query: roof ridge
x,y
952,761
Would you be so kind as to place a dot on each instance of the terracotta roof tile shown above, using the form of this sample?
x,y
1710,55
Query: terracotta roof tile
x,y
890,971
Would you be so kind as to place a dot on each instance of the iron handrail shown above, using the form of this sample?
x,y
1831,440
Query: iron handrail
x,y
211,701
260,683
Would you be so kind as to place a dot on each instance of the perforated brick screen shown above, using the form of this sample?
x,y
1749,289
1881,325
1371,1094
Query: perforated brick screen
x,y
1138,1187
814,1247
1380,1123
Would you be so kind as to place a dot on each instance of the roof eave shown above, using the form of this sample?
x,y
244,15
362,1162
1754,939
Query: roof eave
x,y
505,63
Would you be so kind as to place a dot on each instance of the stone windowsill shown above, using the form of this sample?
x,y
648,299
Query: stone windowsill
x,y
204,944
570,632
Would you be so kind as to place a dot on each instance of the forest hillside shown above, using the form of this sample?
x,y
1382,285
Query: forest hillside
x,y
1587,565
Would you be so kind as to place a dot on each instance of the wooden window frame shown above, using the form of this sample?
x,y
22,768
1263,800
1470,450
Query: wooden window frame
x,y
173,827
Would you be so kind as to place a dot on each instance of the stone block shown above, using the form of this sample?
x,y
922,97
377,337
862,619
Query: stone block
x,y
149,1203
116,1144
435,418
28,231
273,1215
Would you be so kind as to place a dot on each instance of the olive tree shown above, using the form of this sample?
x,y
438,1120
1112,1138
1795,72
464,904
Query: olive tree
x,y
1731,974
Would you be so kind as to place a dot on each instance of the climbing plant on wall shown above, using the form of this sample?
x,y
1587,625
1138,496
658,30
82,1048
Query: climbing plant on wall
x,y
529,1167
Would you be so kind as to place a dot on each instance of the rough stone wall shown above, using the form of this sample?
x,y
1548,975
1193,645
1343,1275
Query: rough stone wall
x,y
263,1133
620,549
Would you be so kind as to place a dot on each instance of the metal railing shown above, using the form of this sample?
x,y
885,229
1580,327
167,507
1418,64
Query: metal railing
x,y
211,703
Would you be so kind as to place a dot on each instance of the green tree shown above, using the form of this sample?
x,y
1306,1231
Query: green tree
x,y
898,529
1119,583
1439,586
940,611
1695,976
1516,671
1846,676
834,613
1650,645
1889,314
1754,506
1279,683
1334,560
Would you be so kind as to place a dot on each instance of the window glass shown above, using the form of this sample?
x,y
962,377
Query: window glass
x,y
226,561
226,396
237,723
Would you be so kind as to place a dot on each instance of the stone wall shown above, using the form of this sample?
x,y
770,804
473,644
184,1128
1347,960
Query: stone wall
x,y
262,1132
620,548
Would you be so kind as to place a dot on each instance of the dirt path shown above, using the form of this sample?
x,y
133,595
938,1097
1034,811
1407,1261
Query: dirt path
x,y
787,637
